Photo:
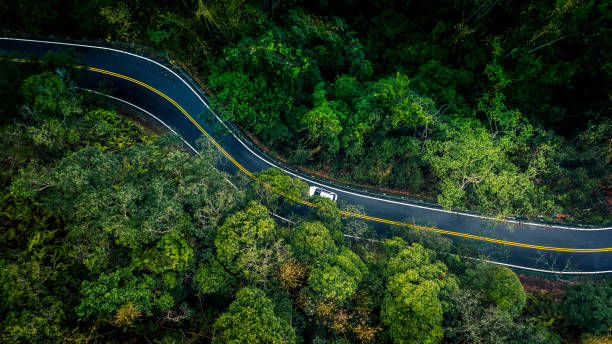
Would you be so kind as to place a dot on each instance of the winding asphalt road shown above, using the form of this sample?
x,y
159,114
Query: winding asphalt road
x,y
158,88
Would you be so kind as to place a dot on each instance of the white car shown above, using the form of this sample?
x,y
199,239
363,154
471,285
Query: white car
x,y
313,190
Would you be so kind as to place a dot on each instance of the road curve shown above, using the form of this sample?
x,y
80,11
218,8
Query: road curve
x,y
158,89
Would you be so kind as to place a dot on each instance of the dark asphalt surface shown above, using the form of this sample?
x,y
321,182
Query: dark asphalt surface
x,y
163,80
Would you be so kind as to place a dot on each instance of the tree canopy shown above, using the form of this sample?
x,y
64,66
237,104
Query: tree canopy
x,y
251,319
113,232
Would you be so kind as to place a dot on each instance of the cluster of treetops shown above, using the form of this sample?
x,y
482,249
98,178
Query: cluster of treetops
x,y
112,233
501,107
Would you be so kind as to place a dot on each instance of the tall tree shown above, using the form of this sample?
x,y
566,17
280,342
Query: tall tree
x,y
500,286
339,278
588,307
475,169
122,297
251,319
243,242
403,106
411,307
312,242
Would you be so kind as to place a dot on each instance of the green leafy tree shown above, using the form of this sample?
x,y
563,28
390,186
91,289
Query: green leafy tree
x,y
294,187
48,95
170,258
311,241
332,282
404,108
588,307
253,102
585,168
251,319
139,197
328,213
44,323
469,318
412,308
339,278
32,313
500,285
113,295
211,278
475,169
21,284
112,131
412,311
394,162
350,262
243,237
323,128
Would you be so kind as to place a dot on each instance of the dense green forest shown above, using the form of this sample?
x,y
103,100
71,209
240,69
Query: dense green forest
x,y
494,106
113,233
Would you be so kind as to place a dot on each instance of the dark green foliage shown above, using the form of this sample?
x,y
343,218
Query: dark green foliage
x,y
47,95
237,91
107,295
359,90
251,319
318,83
12,97
112,234
211,278
585,170
499,285
588,307
445,64
470,319
103,233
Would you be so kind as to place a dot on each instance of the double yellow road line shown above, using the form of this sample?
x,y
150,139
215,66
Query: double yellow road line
x,y
346,213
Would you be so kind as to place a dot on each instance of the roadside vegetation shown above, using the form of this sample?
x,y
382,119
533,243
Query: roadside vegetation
x,y
111,233
497,107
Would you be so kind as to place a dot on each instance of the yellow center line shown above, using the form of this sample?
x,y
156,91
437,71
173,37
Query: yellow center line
x,y
298,200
